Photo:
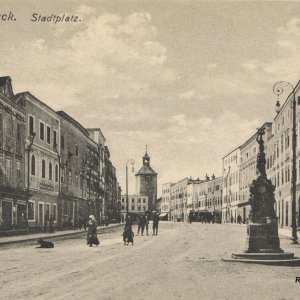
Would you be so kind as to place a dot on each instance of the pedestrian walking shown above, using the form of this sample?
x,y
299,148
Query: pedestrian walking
x,y
51,224
24,222
146,223
92,238
143,223
138,222
128,234
239,219
80,223
155,218
85,223
190,217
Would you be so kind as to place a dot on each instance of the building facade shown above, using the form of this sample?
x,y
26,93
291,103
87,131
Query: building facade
x,y
13,192
179,200
97,135
166,206
146,182
214,194
231,186
79,172
136,204
42,134
279,155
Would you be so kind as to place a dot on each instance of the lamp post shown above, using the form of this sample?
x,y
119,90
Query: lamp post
x,y
132,164
278,89
29,148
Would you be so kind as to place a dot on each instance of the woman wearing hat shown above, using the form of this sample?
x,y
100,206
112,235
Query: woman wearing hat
x,y
92,232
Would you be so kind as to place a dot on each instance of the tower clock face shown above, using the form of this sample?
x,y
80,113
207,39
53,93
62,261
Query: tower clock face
x,y
148,178
146,161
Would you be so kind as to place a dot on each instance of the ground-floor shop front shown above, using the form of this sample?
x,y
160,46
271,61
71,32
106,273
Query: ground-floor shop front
x,y
42,211
13,209
73,212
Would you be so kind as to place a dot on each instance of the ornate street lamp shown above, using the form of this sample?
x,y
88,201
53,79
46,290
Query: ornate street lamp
x,y
132,165
278,89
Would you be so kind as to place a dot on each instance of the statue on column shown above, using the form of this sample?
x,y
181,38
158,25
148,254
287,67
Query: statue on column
x,y
261,158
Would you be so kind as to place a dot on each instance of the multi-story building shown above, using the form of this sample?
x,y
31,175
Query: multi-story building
x,y
248,171
92,178
79,171
166,206
231,186
214,194
42,134
112,193
192,200
136,204
97,135
200,196
146,182
279,157
13,195
179,199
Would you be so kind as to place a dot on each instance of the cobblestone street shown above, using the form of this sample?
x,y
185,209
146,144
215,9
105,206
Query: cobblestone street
x,y
183,262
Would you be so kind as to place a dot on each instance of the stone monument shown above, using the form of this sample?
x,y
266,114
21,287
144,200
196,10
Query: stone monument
x,y
262,244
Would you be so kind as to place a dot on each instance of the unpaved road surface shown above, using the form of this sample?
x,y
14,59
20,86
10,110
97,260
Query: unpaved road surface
x,y
183,262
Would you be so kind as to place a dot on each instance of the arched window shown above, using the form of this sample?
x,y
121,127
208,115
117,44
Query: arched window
x,y
43,169
56,173
298,198
1,177
33,165
286,213
50,171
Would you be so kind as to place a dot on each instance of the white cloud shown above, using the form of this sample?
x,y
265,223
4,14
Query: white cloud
x,y
187,94
251,65
108,56
212,66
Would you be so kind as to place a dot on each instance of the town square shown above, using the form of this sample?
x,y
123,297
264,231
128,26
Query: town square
x,y
150,149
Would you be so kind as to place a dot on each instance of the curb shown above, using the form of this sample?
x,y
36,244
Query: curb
x,y
31,239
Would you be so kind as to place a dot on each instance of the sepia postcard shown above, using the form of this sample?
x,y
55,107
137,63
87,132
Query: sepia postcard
x,y
149,149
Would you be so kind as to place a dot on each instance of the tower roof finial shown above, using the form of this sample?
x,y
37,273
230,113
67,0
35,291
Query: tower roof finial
x,y
146,148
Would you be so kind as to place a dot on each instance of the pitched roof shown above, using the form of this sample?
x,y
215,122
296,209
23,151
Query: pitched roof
x,y
146,170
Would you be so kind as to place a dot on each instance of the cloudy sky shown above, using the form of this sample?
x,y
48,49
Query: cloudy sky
x,y
190,79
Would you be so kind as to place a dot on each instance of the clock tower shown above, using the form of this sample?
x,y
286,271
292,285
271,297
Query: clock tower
x,y
146,182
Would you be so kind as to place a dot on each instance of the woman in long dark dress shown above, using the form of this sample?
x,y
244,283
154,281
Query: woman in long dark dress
x,y
92,238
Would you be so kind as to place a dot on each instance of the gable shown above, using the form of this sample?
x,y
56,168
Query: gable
x,y
6,87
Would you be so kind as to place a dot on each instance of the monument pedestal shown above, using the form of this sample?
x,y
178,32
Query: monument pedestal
x,y
263,237
262,243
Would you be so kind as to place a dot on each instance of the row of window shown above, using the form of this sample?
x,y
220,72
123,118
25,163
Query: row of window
x,y
43,169
45,211
45,132
133,200
6,178
133,208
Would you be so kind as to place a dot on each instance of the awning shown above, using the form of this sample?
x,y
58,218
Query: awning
x,y
163,215
243,204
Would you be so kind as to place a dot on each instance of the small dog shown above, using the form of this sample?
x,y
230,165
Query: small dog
x,y
44,244
128,235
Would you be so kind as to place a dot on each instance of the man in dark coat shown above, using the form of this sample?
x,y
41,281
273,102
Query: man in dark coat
x,y
155,218
138,222
143,223
146,223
